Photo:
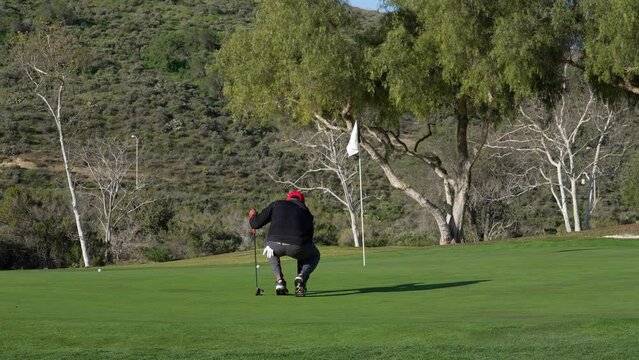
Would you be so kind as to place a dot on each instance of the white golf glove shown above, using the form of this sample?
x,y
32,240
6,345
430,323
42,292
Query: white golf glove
x,y
268,252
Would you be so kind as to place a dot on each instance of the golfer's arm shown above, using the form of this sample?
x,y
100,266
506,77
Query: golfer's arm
x,y
262,218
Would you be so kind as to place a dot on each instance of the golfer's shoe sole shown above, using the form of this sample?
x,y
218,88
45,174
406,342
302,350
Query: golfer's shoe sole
x,y
300,287
280,289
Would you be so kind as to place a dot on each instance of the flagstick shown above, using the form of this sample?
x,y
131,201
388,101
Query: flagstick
x,y
351,149
361,210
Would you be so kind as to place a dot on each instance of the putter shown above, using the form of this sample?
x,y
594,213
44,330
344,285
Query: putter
x,y
258,291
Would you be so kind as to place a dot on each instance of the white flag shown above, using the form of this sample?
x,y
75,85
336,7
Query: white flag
x,y
353,144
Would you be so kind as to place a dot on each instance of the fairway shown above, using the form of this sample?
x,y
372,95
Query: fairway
x,y
536,299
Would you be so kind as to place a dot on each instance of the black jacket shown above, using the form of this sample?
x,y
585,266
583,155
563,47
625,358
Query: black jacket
x,y
291,222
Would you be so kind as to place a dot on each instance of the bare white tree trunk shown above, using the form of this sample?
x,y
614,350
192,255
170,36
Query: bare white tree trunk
x,y
109,166
564,146
462,180
604,129
562,200
354,231
445,234
67,170
449,216
456,221
575,208
590,203
47,58
568,138
349,203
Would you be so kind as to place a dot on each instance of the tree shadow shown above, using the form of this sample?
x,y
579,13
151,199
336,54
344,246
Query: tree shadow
x,y
571,250
394,288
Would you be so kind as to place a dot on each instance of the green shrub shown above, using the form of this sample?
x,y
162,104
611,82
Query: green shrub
x,y
408,238
630,184
204,240
376,240
345,237
14,255
170,52
325,234
40,226
57,11
157,254
404,238
156,217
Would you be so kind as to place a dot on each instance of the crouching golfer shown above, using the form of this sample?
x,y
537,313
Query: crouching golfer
x,y
291,234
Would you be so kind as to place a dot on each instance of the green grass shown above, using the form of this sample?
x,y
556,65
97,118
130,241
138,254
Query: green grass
x,y
561,298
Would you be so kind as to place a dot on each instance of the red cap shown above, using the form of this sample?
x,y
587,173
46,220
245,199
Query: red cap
x,y
295,194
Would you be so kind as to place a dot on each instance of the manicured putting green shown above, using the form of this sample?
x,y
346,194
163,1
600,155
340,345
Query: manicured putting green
x,y
565,298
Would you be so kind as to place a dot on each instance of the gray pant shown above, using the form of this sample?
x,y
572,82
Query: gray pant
x,y
308,256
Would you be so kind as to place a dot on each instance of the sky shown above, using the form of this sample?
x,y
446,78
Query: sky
x,y
365,4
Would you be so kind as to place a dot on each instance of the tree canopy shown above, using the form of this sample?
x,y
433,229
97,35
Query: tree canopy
x,y
610,31
297,58
490,52
306,59
452,69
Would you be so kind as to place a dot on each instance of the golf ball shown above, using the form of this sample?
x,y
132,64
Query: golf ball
x,y
99,270
257,266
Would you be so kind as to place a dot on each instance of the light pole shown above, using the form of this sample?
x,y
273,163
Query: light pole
x,y
137,161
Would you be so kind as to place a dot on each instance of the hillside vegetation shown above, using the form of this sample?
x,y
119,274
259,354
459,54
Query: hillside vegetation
x,y
147,69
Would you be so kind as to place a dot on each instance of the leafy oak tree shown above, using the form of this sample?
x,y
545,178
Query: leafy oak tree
x,y
607,37
463,62
468,63
298,58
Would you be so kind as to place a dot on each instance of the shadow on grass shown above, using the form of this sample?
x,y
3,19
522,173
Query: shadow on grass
x,y
394,288
571,250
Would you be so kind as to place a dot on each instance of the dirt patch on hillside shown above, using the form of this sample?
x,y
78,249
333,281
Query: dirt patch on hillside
x,y
19,162
43,164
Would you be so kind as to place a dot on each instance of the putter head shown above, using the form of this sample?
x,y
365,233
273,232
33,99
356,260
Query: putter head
x,y
258,292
